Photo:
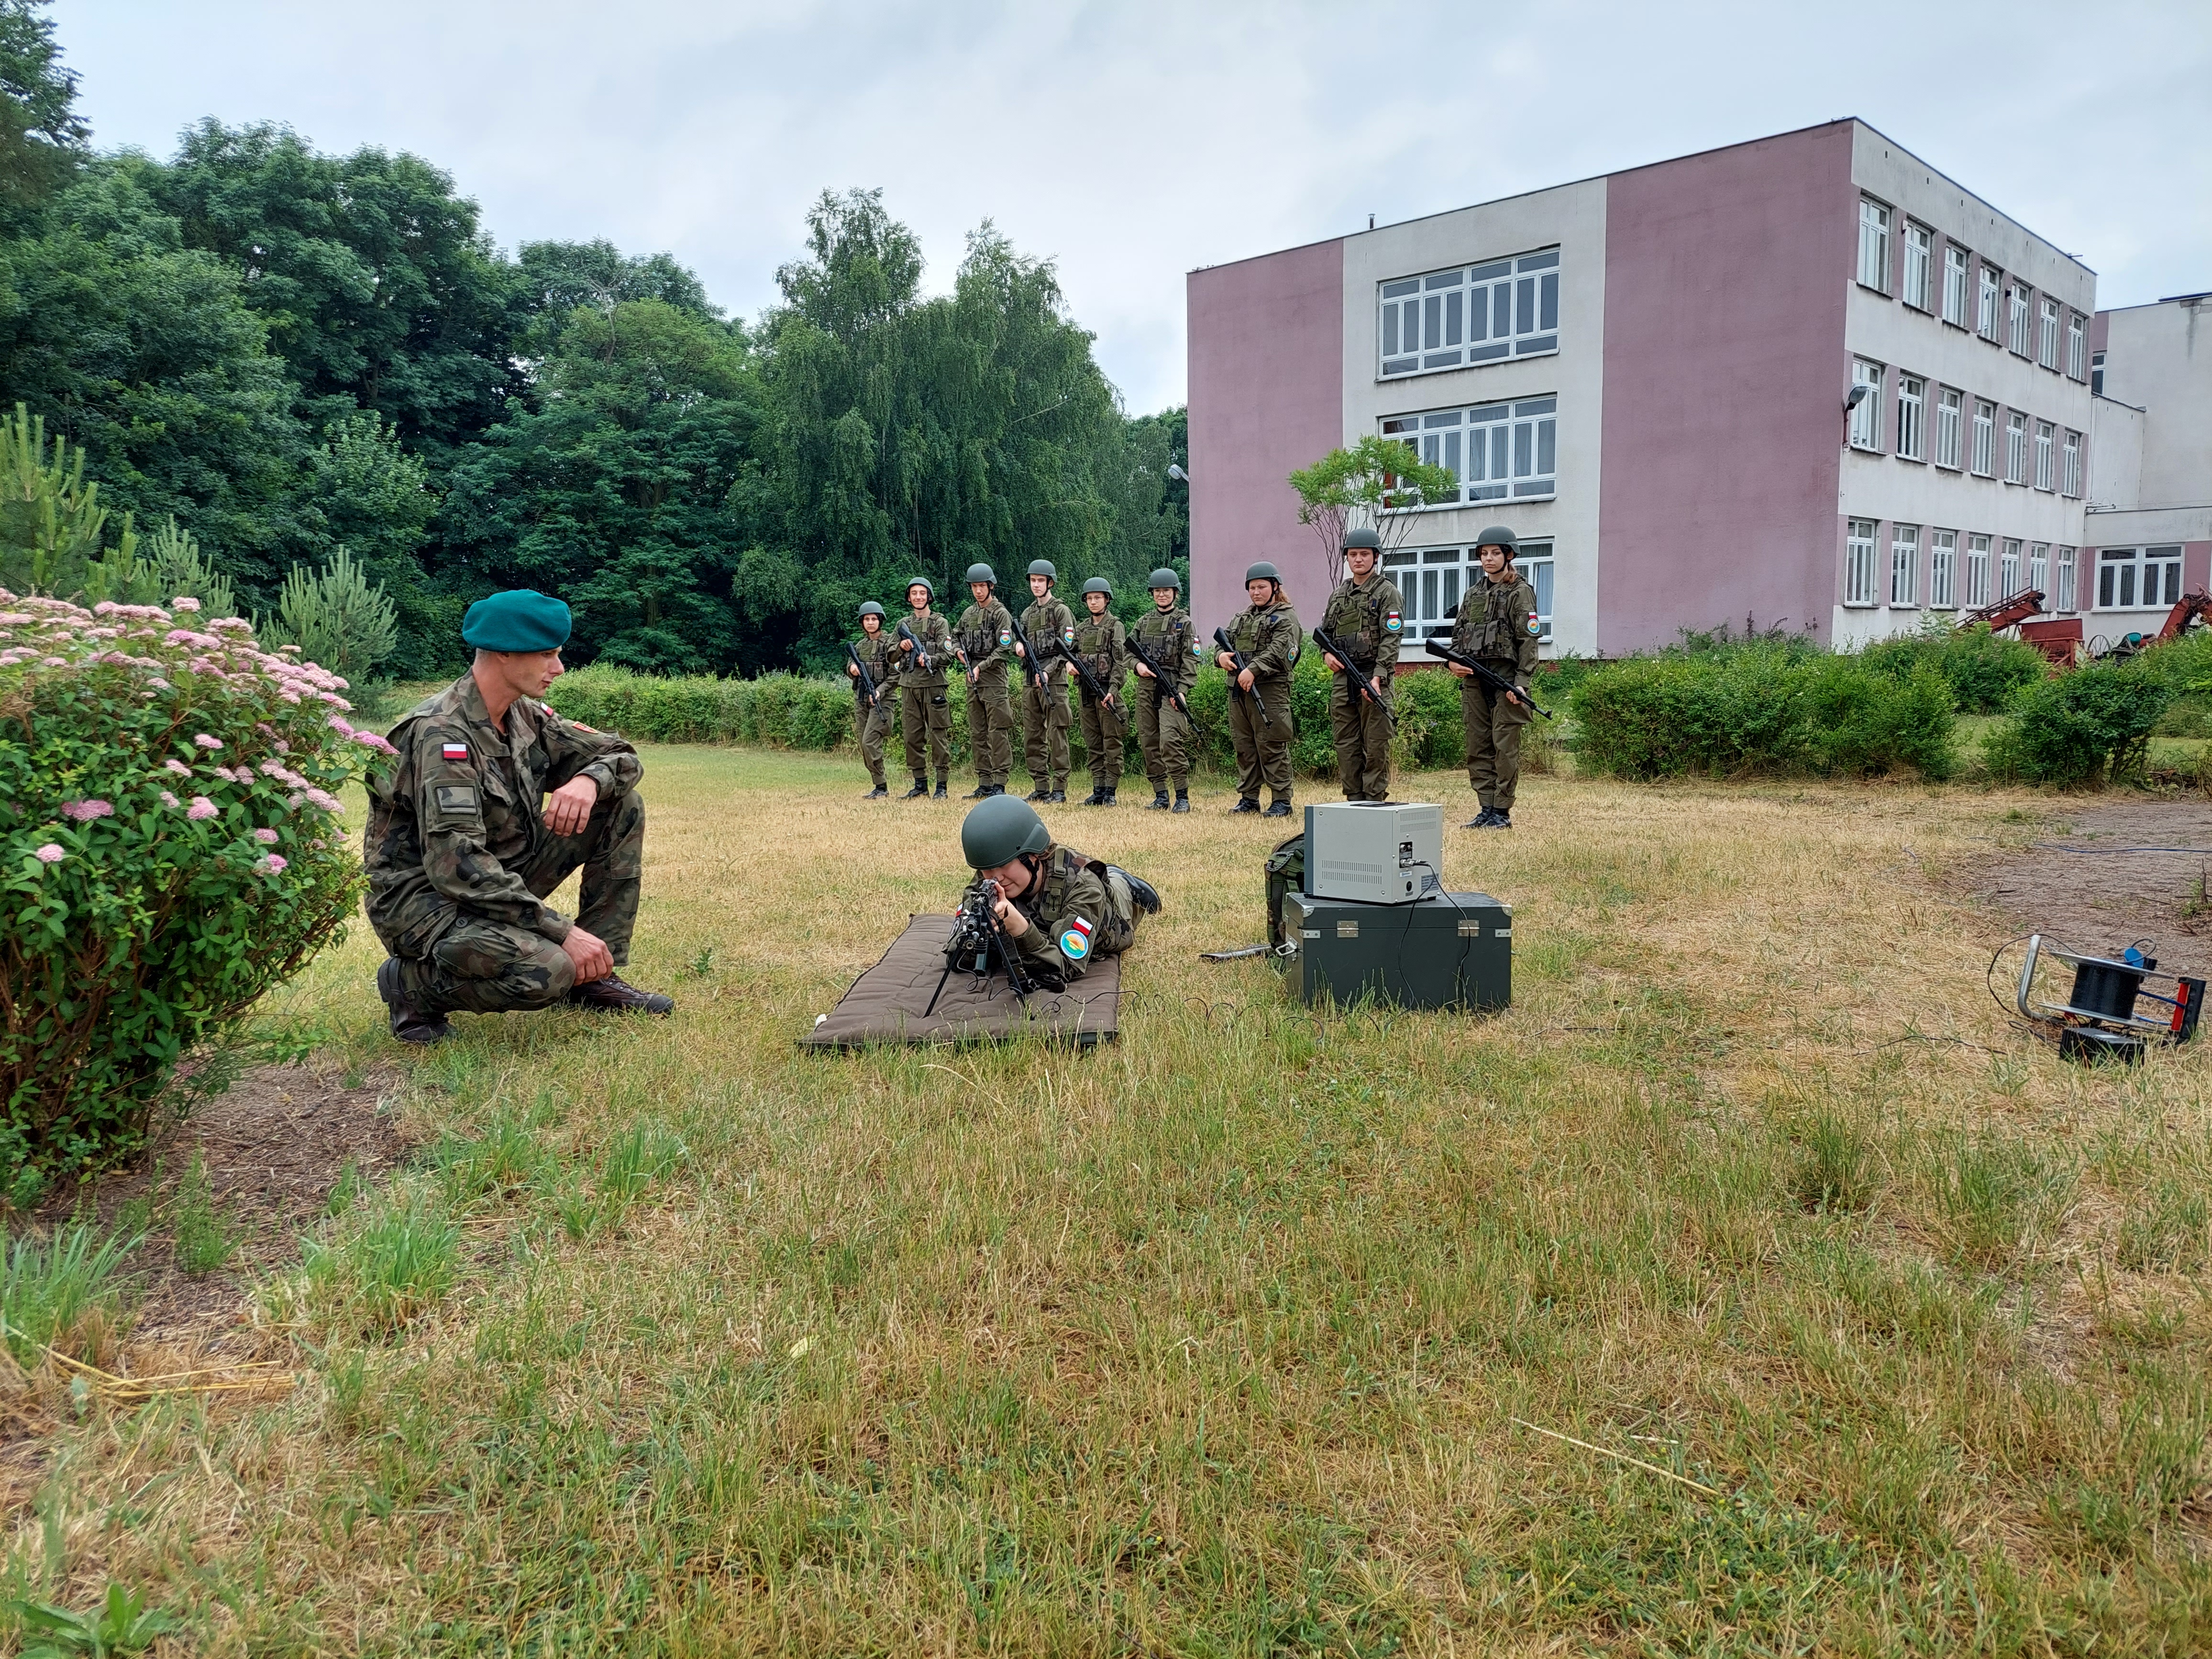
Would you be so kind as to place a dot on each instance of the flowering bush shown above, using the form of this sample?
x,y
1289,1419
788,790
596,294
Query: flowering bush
x,y
171,846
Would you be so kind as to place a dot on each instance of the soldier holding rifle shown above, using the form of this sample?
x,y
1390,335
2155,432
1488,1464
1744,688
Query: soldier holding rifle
x,y
986,642
924,646
1366,616
1497,625
871,663
1101,652
1163,645
1257,651
1045,719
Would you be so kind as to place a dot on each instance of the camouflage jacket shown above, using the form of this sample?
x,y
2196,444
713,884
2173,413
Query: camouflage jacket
x,y
1170,639
936,638
458,812
1049,617
1498,623
986,638
878,655
1368,621
1270,637
1099,645
1072,915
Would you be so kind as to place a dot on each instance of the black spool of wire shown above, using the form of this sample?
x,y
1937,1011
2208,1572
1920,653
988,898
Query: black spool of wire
x,y
2107,988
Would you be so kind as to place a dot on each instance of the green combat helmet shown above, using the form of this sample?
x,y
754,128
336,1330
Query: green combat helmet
x,y
983,572
921,582
999,830
869,608
1498,535
1366,539
1099,584
1164,578
1046,569
1263,572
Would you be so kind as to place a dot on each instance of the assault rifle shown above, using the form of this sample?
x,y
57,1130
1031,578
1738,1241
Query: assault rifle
x,y
1036,670
1164,684
1488,679
871,694
921,651
1259,707
1099,694
1328,642
979,945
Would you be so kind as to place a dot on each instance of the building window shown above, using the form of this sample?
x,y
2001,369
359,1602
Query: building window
x,y
1499,451
1874,246
2128,577
1977,572
2015,447
1918,250
2017,312
1435,579
1911,416
1948,409
1451,318
1992,300
1866,419
1954,286
2047,338
1858,563
2045,434
1942,567
2039,566
2077,343
1985,438
1905,565
2070,474
2065,580
2009,570
2097,375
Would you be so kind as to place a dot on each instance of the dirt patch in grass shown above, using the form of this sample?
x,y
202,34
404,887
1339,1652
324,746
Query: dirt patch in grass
x,y
241,1180
2105,899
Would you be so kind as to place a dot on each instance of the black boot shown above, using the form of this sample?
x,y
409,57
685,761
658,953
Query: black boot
x,y
1244,805
1040,793
1142,893
878,793
1277,808
997,788
1106,796
981,791
920,788
1182,801
419,1026
940,789
1159,801
1096,798
1059,795
1500,818
612,994
1480,821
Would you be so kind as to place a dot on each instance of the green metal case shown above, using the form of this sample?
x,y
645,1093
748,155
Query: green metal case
x,y
1446,951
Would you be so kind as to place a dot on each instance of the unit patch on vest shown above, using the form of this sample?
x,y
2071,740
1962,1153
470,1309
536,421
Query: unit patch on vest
x,y
1075,943
1005,636
1392,621
455,751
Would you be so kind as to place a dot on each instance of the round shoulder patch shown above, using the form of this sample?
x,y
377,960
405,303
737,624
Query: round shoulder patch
x,y
1074,944
1392,621
1535,626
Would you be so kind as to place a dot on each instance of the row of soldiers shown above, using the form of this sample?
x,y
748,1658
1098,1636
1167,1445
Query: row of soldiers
x,y
1496,623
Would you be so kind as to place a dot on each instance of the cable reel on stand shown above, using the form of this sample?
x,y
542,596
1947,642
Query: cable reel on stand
x,y
2101,1018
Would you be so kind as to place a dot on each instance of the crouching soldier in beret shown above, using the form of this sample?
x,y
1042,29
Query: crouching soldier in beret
x,y
492,801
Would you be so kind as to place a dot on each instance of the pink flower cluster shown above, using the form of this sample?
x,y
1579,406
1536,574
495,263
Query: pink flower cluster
x,y
84,812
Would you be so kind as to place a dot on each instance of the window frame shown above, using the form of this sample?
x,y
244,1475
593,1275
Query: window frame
x,y
2143,567
2067,593
1864,432
1911,416
1860,552
1978,571
2070,469
1530,286
1503,430
1917,246
2008,568
2096,374
1950,427
2077,346
2015,447
2046,332
2039,566
2046,455
1983,453
1943,569
1989,300
1905,566
2019,321
1958,262
1877,217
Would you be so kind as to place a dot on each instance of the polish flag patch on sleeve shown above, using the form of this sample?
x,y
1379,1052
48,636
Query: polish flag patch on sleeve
x,y
455,752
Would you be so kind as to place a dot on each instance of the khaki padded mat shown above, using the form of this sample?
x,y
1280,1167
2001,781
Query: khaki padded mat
x,y
886,1003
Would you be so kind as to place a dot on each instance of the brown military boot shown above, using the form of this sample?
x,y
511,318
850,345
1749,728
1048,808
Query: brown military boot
x,y
614,995
409,1024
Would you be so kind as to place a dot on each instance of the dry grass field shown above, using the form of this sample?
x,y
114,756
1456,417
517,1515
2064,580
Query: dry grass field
x,y
1264,1331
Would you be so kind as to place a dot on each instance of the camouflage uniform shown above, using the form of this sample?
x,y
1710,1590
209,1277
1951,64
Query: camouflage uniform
x,y
1497,625
1045,717
1078,909
871,721
986,638
460,859
1269,637
1099,642
1367,620
1163,730
922,706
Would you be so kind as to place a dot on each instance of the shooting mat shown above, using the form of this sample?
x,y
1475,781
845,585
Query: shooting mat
x,y
886,1003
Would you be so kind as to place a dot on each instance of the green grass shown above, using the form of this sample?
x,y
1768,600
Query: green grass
x,y
1234,1338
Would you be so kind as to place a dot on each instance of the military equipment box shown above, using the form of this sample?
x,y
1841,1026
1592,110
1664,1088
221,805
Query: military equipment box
x,y
1442,951
1377,852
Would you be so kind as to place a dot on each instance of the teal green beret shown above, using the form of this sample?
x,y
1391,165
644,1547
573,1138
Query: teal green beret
x,y
520,619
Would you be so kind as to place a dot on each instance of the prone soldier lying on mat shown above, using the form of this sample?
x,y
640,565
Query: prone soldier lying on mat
x,y
1058,909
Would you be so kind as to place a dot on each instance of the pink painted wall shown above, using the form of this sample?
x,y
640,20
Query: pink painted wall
x,y
1725,281
1266,396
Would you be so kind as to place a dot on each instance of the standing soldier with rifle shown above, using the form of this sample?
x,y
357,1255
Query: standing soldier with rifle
x,y
986,644
924,646
1498,626
1164,641
1366,616
1101,647
872,662
1045,718
1259,648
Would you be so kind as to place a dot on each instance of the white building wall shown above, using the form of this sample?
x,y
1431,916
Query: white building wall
x,y
2116,446
1883,329
1572,218
2159,357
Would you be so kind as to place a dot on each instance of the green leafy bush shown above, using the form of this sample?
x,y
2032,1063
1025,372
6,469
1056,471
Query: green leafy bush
x,y
1761,707
1985,670
2083,730
169,849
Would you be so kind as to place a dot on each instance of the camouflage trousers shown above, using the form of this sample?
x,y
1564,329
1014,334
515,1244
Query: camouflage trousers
x,y
925,714
1103,730
488,967
1045,721
1164,732
1362,732
1263,751
874,721
991,727
1493,723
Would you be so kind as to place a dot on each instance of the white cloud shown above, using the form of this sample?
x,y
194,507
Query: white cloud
x,y
1132,142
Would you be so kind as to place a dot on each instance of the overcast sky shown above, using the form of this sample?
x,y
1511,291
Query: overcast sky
x,y
1131,142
